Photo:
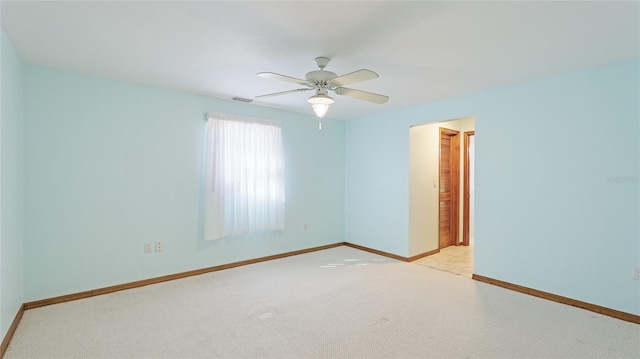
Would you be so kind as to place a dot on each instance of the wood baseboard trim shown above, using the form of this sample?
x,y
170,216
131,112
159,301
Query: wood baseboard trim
x,y
375,251
11,330
144,282
391,255
425,254
560,299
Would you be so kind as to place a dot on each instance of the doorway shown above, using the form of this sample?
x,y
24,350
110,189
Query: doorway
x,y
436,210
448,196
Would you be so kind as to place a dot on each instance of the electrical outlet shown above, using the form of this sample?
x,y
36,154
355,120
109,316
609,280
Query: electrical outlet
x,y
159,246
636,273
148,247
306,226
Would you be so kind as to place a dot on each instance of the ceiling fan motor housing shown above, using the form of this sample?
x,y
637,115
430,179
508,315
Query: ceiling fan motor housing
x,y
320,76
322,81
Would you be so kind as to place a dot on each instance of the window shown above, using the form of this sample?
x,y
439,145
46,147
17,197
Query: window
x,y
244,176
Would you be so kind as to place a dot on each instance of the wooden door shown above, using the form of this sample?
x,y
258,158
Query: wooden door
x,y
449,187
466,197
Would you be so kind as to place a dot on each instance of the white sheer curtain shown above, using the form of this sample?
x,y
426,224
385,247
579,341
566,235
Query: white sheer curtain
x,y
244,176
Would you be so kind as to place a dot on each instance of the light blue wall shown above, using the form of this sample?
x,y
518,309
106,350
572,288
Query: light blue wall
x,y
110,166
11,184
547,215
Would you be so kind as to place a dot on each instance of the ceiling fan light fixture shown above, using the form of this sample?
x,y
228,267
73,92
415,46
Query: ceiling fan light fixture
x,y
320,104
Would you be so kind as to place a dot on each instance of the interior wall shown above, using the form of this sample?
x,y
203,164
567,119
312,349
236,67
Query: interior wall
x,y
11,184
424,186
551,213
110,166
376,183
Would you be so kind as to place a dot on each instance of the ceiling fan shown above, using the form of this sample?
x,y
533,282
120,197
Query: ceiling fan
x,y
323,81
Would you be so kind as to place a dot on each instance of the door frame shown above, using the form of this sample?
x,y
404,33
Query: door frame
x,y
466,210
455,183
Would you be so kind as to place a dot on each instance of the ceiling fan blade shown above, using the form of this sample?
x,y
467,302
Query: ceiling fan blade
x,y
362,95
353,77
284,92
271,75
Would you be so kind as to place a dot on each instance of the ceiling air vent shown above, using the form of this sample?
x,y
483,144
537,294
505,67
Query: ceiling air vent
x,y
241,99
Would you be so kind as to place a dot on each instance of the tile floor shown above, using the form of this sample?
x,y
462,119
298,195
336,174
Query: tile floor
x,y
453,259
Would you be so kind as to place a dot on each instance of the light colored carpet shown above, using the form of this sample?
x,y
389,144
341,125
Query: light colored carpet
x,y
336,303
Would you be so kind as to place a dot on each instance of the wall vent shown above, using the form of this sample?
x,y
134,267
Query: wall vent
x,y
241,99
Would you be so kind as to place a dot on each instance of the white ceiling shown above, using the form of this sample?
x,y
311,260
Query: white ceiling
x,y
423,51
